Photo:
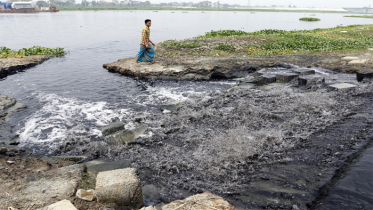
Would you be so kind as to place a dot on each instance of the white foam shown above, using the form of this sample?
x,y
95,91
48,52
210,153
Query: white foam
x,y
52,122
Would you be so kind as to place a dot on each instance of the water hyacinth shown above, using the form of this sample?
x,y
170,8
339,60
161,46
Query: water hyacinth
x,y
309,19
35,50
281,42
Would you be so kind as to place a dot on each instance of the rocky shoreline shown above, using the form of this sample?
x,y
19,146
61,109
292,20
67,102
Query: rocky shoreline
x,y
207,67
12,65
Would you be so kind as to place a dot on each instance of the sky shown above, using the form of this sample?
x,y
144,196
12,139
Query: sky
x,y
298,3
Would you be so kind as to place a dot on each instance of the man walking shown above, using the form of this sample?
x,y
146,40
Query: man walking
x,y
146,53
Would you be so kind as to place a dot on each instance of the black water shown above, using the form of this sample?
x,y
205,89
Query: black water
x,y
75,90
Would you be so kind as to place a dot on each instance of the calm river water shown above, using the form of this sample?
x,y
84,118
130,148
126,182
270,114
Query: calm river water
x,y
75,90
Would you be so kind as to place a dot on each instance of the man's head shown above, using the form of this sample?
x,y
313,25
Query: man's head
x,y
148,22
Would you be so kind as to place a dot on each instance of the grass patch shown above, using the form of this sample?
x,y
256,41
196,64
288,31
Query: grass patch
x,y
363,16
225,47
309,19
280,42
36,50
172,44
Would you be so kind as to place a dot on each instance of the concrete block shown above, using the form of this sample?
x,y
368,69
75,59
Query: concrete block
x,y
120,186
62,205
94,167
260,80
364,74
349,58
361,61
285,77
305,71
342,86
310,80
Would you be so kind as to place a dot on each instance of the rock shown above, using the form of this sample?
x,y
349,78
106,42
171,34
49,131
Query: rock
x,y
148,208
112,128
172,106
61,205
125,135
14,142
349,58
361,61
75,159
304,71
94,167
204,201
6,102
310,80
166,111
342,86
87,195
3,150
286,77
361,75
120,186
50,160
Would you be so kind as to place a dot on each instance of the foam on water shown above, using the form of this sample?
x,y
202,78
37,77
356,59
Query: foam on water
x,y
51,123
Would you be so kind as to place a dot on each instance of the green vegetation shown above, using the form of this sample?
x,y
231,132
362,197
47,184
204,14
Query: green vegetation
x,y
189,9
172,44
363,16
36,50
225,47
309,19
280,42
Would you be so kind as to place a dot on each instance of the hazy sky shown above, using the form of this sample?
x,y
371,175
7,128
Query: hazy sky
x,y
298,3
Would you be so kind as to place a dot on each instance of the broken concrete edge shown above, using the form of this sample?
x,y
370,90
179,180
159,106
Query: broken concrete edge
x,y
12,69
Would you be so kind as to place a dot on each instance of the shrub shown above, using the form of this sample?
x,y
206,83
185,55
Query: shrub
x,y
225,47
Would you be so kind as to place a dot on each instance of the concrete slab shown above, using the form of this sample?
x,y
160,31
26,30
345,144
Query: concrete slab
x,y
361,61
305,71
350,58
272,85
310,79
285,77
342,86
61,205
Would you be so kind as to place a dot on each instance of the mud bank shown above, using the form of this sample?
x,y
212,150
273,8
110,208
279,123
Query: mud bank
x,y
12,65
208,67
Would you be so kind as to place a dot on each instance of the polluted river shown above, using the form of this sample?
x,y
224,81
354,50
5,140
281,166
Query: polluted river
x,y
280,146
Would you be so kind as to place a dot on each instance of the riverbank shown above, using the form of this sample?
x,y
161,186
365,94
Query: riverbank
x,y
12,65
303,10
221,54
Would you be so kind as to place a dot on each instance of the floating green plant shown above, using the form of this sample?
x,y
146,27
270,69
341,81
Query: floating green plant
x,y
309,19
36,50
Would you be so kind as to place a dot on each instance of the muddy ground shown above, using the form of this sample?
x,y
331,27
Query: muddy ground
x,y
13,65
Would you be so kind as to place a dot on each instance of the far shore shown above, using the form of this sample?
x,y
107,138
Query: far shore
x,y
304,10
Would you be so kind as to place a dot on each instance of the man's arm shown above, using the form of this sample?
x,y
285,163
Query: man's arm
x,y
151,42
